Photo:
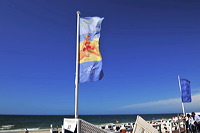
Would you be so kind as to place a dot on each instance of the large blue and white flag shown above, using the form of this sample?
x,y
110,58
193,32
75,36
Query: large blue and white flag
x,y
89,55
185,91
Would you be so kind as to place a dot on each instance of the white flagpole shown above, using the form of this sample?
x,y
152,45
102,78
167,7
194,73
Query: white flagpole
x,y
77,64
183,108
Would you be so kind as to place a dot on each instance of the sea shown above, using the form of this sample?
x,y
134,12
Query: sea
x,y
40,122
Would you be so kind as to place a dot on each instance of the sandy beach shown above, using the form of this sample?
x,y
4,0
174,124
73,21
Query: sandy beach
x,y
47,131
39,131
29,132
35,131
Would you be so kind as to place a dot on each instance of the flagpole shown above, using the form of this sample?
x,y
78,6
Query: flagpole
x,y
183,108
77,64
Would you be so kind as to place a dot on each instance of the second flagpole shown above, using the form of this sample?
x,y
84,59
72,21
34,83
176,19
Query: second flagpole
x,y
183,108
77,64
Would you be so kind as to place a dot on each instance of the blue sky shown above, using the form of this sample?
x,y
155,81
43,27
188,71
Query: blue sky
x,y
144,44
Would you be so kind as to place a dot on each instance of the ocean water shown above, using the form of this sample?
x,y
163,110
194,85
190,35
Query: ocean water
x,y
37,122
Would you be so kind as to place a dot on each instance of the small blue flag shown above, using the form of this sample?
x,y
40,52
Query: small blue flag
x,y
185,91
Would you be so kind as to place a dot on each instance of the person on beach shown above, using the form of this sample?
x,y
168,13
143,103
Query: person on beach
x,y
26,131
190,122
197,120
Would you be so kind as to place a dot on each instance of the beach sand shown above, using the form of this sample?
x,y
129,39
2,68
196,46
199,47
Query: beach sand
x,y
29,132
36,131
39,131
46,131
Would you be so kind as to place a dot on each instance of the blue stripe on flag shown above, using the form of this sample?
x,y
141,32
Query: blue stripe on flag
x,y
90,71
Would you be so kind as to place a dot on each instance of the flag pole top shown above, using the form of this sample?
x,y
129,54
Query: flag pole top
x,y
78,12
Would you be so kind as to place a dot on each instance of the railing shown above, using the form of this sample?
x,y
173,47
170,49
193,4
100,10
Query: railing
x,y
81,126
87,127
170,126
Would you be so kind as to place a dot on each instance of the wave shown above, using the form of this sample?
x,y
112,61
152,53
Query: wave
x,y
6,127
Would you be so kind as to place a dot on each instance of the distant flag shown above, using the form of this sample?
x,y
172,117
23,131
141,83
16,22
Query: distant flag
x,y
89,55
185,91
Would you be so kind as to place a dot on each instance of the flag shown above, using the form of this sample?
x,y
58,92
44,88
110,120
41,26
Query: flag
x,y
185,91
89,55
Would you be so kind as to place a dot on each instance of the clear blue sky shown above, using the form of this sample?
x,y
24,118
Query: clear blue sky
x,y
145,44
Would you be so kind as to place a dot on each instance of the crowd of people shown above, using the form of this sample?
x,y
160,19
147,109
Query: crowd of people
x,y
193,123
